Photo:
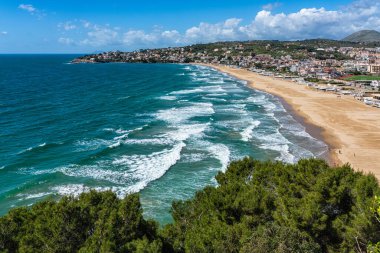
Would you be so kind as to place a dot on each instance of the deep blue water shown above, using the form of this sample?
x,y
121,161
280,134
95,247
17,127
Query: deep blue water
x,y
163,130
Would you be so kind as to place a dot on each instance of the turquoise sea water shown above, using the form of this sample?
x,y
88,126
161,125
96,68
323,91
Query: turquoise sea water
x,y
163,130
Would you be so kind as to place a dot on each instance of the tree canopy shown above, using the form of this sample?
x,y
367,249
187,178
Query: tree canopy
x,y
256,207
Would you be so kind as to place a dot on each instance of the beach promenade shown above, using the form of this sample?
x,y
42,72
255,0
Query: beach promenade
x,y
349,127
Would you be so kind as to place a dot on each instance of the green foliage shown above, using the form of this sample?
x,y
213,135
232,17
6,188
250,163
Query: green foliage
x,y
94,222
257,207
275,207
313,80
375,208
362,78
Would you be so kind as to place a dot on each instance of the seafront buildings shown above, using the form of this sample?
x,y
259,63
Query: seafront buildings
x,y
323,65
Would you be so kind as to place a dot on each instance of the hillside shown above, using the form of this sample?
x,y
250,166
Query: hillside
x,y
298,50
258,207
364,36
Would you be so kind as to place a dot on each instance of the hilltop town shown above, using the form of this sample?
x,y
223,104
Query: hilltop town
x,y
339,66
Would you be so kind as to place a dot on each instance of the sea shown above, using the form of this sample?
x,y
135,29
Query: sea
x,y
163,130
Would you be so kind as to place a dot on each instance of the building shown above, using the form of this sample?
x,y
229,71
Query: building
x,y
374,69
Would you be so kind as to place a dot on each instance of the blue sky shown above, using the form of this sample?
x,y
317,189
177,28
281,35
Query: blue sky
x,y
82,26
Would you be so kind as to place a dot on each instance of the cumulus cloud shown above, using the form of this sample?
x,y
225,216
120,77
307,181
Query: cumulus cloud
x,y
205,32
101,36
94,35
304,24
313,23
3,33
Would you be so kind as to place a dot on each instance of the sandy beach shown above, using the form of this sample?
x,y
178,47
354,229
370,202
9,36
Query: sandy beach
x,y
349,127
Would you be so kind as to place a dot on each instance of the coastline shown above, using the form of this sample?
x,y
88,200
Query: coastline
x,y
349,128
315,131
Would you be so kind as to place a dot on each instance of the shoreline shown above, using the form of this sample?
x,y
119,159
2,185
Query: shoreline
x,y
349,128
314,131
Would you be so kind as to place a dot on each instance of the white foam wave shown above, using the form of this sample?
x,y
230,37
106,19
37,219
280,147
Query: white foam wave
x,y
146,168
97,172
168,98
125,133
122,131
233,109
115,145
70,189
88,145
215,89
184,92
257,99
184,132
214,99
246,135
193,157
32,171
136,171
76,189
217,94
32,148
268,105
154,141
176,116
216,81
199,79
123,98
222,153
277,142
32,196
124,136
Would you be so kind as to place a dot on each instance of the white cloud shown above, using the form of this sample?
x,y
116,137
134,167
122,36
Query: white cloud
x,y
3,33
66,41
27,7
306,23
313,23
86,24
271,6
101,36
67,26
205,32
303,24
32,10
139,37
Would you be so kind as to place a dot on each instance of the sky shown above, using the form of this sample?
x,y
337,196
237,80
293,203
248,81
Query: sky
x,y
84,26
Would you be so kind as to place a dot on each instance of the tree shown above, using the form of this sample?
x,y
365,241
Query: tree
x,y
93,222
257,207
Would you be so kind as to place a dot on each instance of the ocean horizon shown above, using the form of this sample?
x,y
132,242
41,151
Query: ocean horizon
x,y
164,130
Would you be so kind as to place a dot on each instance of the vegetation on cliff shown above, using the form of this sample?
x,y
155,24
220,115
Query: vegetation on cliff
x,y
257,207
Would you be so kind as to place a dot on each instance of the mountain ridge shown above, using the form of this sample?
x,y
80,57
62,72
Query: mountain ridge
x,y
363,36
